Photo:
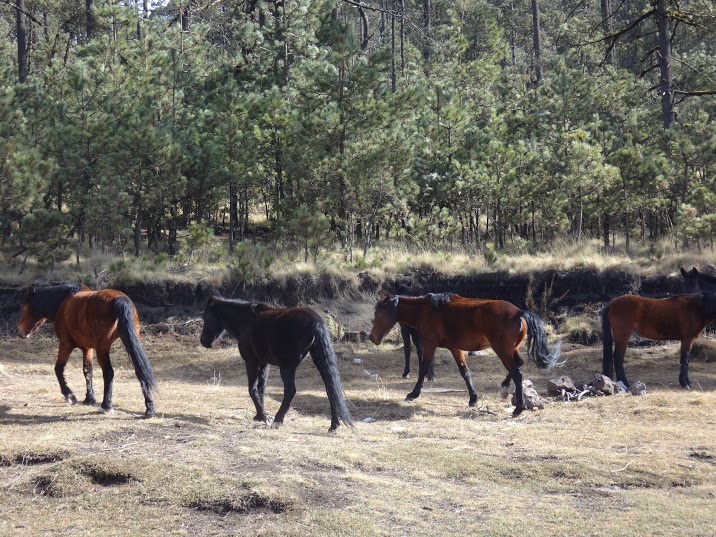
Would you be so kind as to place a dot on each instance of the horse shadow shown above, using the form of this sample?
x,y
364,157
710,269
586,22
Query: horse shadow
x,y
377,409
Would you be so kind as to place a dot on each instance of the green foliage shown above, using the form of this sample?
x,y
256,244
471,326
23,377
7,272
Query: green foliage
x,y
298,133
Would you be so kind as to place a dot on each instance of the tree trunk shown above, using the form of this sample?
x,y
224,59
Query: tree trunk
x,y
605,228
21,41
667,96
427,51
537,40
402,38
392,54
607,26
89,19
233,214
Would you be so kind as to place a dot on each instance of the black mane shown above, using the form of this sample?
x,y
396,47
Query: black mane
x,y
438,299
45,301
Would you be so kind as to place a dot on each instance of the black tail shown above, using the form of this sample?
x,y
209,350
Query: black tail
x,y
607,344
124,311
537,343
325,360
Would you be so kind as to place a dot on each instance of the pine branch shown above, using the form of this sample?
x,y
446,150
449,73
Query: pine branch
x,y
23,11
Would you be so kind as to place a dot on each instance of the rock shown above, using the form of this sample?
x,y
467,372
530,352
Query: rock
x,y
532,399
557,384
638,388
604,384
355,337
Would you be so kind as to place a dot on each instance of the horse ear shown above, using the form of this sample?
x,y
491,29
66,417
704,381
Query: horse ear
x,y
383,294
694,271
683,272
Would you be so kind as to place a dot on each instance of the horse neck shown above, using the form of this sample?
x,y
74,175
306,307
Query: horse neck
x,y
708,308
409,310
236,316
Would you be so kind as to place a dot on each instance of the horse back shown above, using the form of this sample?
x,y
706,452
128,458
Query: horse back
x,y
87,318
677,317
282,335
475,324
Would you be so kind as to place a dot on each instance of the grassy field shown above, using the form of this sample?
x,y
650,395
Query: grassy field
x,y
620,465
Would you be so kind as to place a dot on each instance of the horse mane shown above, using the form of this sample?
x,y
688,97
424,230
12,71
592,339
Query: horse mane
x,y
45,301
256,306
438,299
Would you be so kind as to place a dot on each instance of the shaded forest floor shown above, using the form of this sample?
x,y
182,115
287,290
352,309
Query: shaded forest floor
x,y
619,465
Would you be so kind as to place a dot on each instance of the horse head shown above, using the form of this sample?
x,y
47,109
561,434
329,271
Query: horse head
x,y
386,315
30,321
696,282
40,305
213,324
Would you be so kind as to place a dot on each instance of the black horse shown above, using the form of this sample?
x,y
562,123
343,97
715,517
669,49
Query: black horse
x,y
407,333
698,282
282,337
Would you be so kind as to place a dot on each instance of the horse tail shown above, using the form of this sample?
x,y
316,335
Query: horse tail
x,y
537,343
124,311
607,343
325,359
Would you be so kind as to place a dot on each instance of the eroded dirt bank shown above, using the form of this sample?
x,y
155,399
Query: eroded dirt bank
x,y
349,300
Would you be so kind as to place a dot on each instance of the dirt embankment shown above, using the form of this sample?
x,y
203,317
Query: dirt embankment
x,y
350,299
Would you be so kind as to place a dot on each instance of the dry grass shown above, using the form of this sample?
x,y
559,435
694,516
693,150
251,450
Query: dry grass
x,y
385,260
621,465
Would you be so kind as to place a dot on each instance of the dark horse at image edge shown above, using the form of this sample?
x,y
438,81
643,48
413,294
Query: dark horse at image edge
x,y
681,317
89,320
457,323
407,333
282,337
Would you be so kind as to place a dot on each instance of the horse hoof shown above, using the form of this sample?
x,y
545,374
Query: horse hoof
x,y
89,402
472,403
103,410
410,398
149,413
276,424
686,386
516,412
406,375
71,399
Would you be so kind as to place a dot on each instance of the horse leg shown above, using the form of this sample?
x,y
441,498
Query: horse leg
x,y
108,376
512,361
620,347
405,334
262,382
288,375
506,382
419,351
428,358
63,354
87,371
459,357
254,372
684,370
519,395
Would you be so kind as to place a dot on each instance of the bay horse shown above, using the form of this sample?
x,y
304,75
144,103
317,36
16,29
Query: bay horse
x,y
282,337
89,320
680,317
457,323
695,281
406,333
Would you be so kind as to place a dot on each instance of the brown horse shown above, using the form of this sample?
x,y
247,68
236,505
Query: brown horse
x,y
681,317
457,323
282,337
89,320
